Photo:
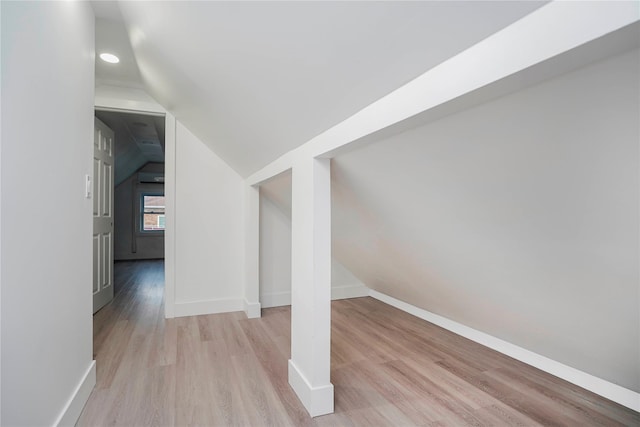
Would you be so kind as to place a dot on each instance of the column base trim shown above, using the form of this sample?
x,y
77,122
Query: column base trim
x,y
252,309
317,400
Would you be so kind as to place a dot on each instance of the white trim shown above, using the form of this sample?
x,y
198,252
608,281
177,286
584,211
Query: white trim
x,y
252,309
278,166
120,98
317,400
214,306
604,388
516,57
279,299
170,216
72,410
126,108
152,108
0,260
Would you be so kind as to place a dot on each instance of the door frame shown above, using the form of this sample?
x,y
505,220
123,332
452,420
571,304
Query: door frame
x,y
153,109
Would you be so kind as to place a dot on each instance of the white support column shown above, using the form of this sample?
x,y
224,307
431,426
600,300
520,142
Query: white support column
x,y
310,363
252,252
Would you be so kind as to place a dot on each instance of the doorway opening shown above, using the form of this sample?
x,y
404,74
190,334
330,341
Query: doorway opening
x,y
137,196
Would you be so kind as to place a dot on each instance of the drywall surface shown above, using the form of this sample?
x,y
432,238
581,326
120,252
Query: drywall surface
x,y
129,242
275,250
518,218
125,98
209,225
275,253
47,140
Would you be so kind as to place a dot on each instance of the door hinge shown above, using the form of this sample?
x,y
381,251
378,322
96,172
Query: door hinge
x,y
87,186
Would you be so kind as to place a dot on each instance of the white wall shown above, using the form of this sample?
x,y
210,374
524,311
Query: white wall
x,y
125,230
209,230
518,218
125,98
47,134
204,267
275,254
275,250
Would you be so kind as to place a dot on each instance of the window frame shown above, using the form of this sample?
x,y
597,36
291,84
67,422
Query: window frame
x,y
142,195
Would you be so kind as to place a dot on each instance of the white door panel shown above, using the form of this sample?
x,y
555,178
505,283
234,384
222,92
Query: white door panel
x,y
96,184
102,215
106,190
96,263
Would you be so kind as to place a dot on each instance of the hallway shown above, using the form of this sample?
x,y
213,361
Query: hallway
x,y
388,369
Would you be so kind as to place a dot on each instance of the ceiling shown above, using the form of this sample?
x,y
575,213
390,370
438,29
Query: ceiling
x,y
139,139
111,37
254,80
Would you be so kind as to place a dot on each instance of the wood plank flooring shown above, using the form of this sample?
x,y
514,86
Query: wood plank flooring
x,y
388,369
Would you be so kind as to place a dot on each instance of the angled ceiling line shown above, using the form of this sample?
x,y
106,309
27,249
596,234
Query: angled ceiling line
x,y
273,91
129,131
491,63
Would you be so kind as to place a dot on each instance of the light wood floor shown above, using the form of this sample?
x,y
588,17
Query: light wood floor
x,y
388,369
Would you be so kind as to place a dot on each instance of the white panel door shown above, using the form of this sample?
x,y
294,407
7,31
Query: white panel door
x,y
102,215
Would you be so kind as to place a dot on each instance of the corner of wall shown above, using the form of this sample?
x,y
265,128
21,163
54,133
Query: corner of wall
x,y
206,187
211,306
72,410
601,387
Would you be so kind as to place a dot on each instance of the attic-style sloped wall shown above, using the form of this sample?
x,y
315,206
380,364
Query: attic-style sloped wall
x,y
275,249
208,230
518,218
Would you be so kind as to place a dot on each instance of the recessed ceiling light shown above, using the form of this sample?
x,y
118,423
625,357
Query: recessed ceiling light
x,y
110,58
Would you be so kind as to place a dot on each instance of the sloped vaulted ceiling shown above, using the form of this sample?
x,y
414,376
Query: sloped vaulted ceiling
x,y
518,217
254,80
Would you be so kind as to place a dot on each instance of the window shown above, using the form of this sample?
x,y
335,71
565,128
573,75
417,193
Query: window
x,y
152,212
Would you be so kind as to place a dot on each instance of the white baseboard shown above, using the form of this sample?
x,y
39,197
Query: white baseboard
x,y
604,388
317,400
72,410
279,299
169,310
195,308
252,309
